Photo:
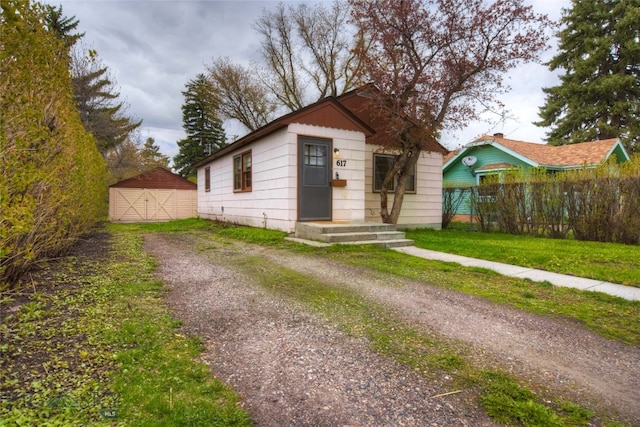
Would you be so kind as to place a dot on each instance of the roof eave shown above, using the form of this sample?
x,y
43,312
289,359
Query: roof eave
x,y
245,140
283,122
618,144
141,174
452,160
495,144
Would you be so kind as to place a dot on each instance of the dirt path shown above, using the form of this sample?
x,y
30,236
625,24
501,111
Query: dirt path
x,y
294,369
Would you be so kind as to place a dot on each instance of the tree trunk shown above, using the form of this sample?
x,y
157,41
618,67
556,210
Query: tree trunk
x,y
384,199
401,168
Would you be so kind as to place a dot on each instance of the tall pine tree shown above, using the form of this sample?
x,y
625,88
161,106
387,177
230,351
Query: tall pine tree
x,y
98,102
151,155
62,25
599,94
94,90
202,125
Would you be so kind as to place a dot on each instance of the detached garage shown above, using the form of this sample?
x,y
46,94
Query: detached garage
x,y
156,195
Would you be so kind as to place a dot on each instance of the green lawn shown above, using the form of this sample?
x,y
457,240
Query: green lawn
x,y
92,343
94,334
610,262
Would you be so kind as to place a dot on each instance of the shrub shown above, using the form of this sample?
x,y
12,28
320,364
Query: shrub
x,y
52,178
597,204
452,199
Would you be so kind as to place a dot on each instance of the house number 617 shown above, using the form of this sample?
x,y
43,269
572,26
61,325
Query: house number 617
x,y
341,163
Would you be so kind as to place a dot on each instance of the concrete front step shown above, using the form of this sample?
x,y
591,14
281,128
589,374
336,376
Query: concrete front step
x,y
378,234
399,243
351,237
395,243
314,228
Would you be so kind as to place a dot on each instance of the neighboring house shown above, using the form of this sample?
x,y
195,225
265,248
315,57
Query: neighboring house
x,y
493,154
155,195
314,164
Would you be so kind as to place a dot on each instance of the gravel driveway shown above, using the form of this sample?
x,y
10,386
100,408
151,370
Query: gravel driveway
x,y
293,368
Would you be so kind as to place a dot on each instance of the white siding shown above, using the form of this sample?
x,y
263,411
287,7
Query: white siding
x,y
272,203
348,202
422,209
273,186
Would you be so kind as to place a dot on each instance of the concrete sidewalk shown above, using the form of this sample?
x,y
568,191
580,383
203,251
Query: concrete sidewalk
x,y
627,292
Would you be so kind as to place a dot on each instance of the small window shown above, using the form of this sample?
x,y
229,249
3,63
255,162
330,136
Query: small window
x,y
488,178
242,172
207,179
237,173
382,163
315,155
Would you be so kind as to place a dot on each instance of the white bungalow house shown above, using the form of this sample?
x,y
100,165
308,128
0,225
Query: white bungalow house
x,y
313,165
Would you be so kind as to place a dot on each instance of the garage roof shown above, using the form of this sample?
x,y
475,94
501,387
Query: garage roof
x,y
158,178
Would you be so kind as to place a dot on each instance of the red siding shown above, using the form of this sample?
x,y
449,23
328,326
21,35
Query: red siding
x,y
327,115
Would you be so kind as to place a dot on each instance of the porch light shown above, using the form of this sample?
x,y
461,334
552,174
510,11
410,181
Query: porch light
x,y
336,152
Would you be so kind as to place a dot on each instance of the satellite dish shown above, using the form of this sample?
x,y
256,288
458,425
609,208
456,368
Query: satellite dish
x,y
469,161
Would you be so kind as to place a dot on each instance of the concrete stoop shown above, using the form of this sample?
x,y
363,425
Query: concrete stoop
x,y
365,233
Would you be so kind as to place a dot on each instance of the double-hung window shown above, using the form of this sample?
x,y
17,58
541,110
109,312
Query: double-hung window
x,y
382,163
242,172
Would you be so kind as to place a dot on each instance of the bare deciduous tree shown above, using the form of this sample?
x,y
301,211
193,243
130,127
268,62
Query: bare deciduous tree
x,y
307,54
305,45
124,160
280,49
240,95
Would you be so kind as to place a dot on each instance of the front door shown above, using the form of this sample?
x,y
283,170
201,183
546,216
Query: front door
x,y
314,179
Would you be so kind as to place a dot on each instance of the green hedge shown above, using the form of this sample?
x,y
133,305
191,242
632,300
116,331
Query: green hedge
x,y
596,204
52,178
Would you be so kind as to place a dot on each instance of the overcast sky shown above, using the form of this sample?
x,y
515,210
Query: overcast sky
x,y
153,48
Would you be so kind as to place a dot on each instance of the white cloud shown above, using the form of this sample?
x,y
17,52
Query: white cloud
x,y
153,48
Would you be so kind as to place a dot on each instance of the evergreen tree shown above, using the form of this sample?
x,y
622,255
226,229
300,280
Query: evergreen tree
x,y
62,26
94,90
599,93
131,158
202,125
151,155
97,101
